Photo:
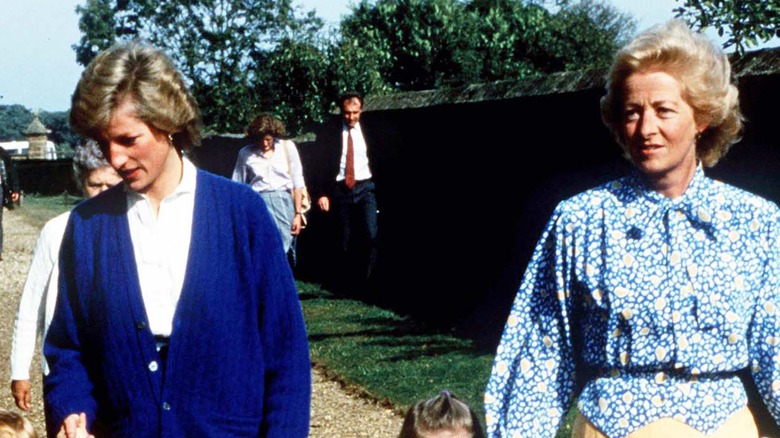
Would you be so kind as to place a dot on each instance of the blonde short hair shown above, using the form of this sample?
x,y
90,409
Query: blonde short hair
x,y
704,73
145,75
13,425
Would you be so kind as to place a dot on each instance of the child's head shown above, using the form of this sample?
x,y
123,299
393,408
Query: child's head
x,y
13,425
443,416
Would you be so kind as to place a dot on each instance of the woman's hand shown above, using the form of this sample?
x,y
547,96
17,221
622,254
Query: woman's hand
x,y
297,224
21,390
74,426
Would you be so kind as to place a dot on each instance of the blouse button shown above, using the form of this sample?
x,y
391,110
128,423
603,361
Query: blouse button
x,y
153,366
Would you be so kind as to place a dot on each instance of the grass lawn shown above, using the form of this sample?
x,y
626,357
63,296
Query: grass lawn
x,y
39,209
391,358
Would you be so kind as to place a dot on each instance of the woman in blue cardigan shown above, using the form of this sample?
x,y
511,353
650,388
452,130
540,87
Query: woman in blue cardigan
x,y
179,314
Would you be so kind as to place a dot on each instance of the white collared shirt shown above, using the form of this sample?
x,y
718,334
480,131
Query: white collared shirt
x,y
362,170
161,246
280,170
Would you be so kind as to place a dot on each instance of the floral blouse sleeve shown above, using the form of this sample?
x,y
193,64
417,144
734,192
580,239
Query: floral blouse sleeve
x,y
764,340
532,381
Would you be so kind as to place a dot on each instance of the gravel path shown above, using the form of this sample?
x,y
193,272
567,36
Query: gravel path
x,y
335,411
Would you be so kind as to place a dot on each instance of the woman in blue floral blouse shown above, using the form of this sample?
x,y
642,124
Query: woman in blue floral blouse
x,y
647,295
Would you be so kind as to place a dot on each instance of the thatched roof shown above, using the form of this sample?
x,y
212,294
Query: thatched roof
x,y
759,62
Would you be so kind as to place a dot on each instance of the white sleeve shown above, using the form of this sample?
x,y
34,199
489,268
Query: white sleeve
x,y
296,168
239,173
30,316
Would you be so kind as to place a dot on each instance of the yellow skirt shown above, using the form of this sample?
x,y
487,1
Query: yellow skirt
x,y
740,425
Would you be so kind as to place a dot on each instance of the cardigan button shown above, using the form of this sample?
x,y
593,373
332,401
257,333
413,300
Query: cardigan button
x,y
166,406
140,325
153,366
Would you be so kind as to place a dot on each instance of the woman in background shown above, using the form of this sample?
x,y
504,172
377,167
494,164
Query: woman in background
x,y
93,175
272,167
647,295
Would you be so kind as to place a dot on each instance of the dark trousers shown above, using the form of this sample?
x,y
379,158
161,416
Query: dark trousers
x,y
357,213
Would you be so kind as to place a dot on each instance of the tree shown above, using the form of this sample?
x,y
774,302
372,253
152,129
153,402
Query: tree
x,y
61,134
102,23
745,22
419,44
14,120
587,33
219,45
296,83
413,44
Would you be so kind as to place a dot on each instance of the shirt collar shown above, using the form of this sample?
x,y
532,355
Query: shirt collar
x,y
345,128
693,202
186,185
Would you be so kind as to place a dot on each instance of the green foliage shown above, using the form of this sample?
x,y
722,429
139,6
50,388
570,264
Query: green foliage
x,y
745,22
37,210
586,34
61,134
419,44
103,22
14,120
221,46
415,44
296,83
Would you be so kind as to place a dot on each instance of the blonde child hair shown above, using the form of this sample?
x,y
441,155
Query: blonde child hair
x,y
13,425
445,412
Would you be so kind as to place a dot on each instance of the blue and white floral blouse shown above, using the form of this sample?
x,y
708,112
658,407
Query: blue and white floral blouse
x,y
648,304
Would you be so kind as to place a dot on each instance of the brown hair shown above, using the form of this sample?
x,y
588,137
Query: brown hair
x,y
145,75
704,73
443,412
264,124
13,425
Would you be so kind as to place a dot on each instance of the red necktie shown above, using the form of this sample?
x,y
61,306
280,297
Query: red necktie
x,y
349,168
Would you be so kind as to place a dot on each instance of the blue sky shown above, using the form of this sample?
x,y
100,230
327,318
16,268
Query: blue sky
x,y
39,69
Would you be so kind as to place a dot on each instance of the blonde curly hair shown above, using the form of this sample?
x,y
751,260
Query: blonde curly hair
x,y
704,73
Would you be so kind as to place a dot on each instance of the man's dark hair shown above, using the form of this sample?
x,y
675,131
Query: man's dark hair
x,y
349,95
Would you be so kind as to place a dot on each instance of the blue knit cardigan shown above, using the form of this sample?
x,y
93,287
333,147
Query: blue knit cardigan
x,y
238,363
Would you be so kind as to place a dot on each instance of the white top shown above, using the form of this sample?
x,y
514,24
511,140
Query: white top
x,y
282,171
33,316
161,246
362,170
